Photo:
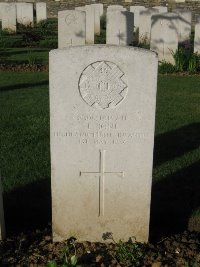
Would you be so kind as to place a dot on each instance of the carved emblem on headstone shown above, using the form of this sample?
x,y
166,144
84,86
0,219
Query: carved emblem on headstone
x,y
103,85
71,18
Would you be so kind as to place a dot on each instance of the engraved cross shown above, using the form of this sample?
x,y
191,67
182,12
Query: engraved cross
x,y
101,174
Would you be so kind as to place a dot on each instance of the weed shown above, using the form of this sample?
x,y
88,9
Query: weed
x,y
31,58
193,64
166,67
66,258
180,59
126,253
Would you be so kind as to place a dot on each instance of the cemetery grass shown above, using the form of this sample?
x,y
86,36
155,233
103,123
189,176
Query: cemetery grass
x,y
25,155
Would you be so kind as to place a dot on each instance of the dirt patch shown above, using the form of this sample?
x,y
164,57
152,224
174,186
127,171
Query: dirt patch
x,y
36,249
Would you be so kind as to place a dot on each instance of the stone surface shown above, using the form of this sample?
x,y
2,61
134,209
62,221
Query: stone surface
x,y
145,24
41,11
184,24
162,9
71,28
9,19
98,12
164,35
1,8
197,35
89,22
136,10
25,13
102,113
115,7
120,26
2,221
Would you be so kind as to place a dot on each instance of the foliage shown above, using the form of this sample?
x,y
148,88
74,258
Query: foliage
x,y
126,253
166,67
193,63
66,258
48,43
180,59
31,58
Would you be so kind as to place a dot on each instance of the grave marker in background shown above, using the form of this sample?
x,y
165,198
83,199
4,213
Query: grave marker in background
x,y
197,34
164,35
145,24
120,26
102,113
184,24
162,9
71,28
41,11
98,12
89,22
25,13
9,19
136,10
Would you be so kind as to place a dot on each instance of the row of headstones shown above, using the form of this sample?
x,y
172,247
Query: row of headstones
x,y
23,13
156,26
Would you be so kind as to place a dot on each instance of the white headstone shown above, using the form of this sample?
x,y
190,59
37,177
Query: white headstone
x,y
145,24
164,35
115,7
2,221
89,22
71,28
97,17
120,26
184,24
162,9
197,34
25,13
41,11
9,17
136,10
1,8
102,113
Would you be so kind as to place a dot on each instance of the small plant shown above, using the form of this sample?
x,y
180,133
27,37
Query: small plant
x,y
31,58
180,59
66,258
126,253
166,67
193,64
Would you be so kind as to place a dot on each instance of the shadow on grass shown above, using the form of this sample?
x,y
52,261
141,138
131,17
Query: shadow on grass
x,y
28,208
173,201
176,143
23,85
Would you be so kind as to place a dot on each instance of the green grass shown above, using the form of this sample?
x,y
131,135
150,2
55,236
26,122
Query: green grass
x,y
23,55
25,156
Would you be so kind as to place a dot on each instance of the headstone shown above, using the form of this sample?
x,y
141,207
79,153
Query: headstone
x,y
184,24
9,17
41,11
102,132
120,26
161,9
164,35
2,221
89,22
145,24
136,10
1,8
71,28
25,13
98,12
116,7
197,34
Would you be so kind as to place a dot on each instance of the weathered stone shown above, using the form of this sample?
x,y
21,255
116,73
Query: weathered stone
x,y
41,11
120,26
102,113
164,35
8,14
185,19
89,22
162,9
71,28
197,35
145,24
136,10
98,12
25,13
115,8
